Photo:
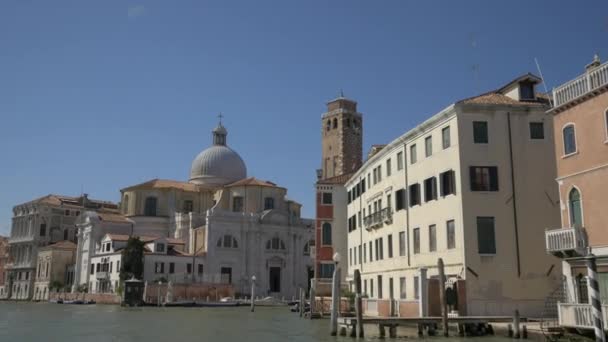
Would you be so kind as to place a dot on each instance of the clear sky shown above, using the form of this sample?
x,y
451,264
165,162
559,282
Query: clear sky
x,y
99,95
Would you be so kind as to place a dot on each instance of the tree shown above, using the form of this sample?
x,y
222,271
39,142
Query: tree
x,y
132,265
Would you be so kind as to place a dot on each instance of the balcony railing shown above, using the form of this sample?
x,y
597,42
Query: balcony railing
x,y
378,218
581,85
579,316
566,242
102,275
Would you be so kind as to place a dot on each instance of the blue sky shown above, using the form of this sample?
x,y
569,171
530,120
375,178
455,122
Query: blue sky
x,y
100,95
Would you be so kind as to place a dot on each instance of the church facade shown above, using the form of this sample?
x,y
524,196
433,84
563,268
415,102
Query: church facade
x,y
232,226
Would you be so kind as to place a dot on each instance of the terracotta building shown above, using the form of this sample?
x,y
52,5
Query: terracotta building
x,y
580,117
341,145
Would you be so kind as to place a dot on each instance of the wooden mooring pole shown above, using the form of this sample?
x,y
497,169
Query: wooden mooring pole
x,y
358,304
335,300
442,298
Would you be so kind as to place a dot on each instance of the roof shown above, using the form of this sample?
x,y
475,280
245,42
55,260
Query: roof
x,y
497,97
341,179
165,184
71,201
62,245
253,181
112,217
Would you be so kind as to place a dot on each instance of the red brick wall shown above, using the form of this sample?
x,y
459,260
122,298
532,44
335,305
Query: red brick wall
x,y
99,298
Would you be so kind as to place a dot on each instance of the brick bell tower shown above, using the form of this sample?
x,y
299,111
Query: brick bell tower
x,y
341,138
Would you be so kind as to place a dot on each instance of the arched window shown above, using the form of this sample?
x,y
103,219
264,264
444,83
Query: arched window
x,y
227,241
355,123
326,233
307,248
268,203
125,204
575,204
335,123
275,243
150,208
569,139
348,122
328,125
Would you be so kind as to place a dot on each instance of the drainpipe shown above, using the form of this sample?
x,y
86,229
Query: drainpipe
x,y
407,205
361,228
514,196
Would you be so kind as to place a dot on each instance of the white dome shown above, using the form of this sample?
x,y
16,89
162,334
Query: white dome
x,y
218,165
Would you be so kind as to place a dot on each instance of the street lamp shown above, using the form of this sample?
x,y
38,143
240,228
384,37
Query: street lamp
x,y
335,296
253,278
336,258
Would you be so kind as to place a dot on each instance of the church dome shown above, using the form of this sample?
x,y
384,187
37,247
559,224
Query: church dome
x,y
218,165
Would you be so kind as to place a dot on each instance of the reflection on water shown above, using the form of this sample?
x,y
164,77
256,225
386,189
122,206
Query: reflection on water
x,y
55,322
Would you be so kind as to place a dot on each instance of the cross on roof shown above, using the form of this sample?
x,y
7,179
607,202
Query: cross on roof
x,y
220,116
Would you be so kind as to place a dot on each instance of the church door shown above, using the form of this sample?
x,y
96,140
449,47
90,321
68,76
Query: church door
x,y
275,279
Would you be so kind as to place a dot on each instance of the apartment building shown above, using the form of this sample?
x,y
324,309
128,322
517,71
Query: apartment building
x,y
472,185
580,125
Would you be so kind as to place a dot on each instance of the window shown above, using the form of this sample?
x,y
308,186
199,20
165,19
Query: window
x,y
171,267
414,194
606,123
413,157
569,140
306,248
65,234
160,248
200,269
375,171
98,267
237,204
327,198
526,91
43,229
335,125
371,287
432,238
364,252
400,160
371,255
451,234
485,235
268,203
428,146
188,268
188,206
379,173
328,125
430,189
416,288
150,206
400,199
350,257
480,132
326,271
448,183
125,204
326,233
537,130
401,243
389,241
227,241
484,178
388,167
380,286
377,246
402,291
67,212
365,286
92,270
445,137
159,267
574,200
416,240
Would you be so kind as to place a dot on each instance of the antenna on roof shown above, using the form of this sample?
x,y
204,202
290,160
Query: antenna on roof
x,y
543,79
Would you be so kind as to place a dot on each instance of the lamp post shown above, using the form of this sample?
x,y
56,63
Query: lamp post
x,y
253,293
335,296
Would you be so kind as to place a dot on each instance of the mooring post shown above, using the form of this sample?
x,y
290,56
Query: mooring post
x,y
335,297
442,298
358,303
509,330
252,293
302,302
392,331
593,289
524,332
381,331
420,330
516,333
313,297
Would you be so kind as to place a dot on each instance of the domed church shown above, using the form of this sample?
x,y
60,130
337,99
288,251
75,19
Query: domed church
x,y
235,226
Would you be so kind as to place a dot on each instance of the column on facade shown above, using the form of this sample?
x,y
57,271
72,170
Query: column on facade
x,y
78,265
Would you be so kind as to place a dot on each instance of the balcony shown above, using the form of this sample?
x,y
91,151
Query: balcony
x,y
378,218
566,242
583,85
579,316
101,275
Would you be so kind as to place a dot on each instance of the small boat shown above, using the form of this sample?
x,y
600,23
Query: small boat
x,y
217,304
56,301
181,304
79,302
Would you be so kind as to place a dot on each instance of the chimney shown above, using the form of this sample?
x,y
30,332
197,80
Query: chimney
x,y
594,64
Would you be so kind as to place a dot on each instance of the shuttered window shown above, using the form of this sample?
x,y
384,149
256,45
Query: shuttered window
x,y
484,178
486,238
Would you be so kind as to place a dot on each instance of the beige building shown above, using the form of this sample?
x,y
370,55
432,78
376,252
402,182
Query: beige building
x,y
580,125
472,185
53,269
38,223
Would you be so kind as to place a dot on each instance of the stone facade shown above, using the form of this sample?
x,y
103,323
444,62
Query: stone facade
x,y
52,267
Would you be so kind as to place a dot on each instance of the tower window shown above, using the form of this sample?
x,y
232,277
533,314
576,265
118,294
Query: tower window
x,y
335,123
348,122
237,204
268,203
150,206
328,125
188,206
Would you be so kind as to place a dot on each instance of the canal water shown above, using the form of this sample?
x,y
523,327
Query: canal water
x,y
56,322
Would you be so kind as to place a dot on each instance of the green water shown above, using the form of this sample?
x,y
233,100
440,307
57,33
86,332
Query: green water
x,y
56,322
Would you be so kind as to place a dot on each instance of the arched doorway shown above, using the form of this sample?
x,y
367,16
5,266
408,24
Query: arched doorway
x,y
275,267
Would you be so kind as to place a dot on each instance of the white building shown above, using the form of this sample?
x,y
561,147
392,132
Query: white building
x,y
38,223
240,226
473,185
